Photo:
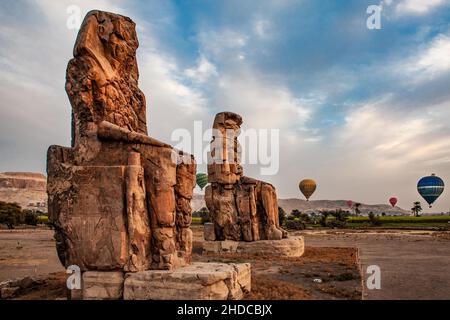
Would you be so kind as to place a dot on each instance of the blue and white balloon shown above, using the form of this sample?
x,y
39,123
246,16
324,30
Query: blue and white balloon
x,y
430,188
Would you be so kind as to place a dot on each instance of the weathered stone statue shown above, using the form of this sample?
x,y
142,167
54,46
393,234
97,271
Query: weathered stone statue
x,y
242,208
119,200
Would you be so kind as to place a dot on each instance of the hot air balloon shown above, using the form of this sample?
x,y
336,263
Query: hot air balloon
x,y
430,188
307,187
393,201
202,180
349,203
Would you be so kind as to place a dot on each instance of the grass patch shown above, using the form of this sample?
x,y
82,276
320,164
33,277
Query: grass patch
x,y
426,222
196,220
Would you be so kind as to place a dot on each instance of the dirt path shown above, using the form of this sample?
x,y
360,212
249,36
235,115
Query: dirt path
x,y
32,253
414,265
29,252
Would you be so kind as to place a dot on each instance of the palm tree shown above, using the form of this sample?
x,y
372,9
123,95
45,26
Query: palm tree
x,y
356,206
417,207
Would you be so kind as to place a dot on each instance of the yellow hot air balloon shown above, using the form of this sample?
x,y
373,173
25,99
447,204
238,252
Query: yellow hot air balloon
x,y
307,187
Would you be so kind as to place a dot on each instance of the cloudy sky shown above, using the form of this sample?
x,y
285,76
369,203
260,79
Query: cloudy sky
x,y
363,112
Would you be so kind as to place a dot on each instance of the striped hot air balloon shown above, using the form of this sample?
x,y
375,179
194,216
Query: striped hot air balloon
x,y
430,188
202,180
307,187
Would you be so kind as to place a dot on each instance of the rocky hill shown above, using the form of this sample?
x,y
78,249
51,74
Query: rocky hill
x,y
28,189
317,205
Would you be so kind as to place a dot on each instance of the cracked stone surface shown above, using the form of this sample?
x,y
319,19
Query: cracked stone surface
x,y
99,285
241,208
198,281
118,199
290,247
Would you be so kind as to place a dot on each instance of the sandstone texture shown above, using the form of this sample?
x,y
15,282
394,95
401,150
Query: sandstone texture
x,y
10,288
208,231
199,281
290,247
241,208
99,285
119,199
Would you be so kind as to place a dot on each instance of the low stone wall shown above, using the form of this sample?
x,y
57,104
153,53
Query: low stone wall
x,y
198,281
290,247
10,288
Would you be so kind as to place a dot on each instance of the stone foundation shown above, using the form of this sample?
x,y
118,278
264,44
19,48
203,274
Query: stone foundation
x,y
198,281
98,285
290,247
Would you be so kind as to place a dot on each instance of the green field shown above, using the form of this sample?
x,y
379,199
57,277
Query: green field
x,y
401,222
196,220
385,222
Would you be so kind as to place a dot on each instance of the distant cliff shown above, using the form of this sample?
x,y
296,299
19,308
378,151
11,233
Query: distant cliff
x,y
28,189
317,205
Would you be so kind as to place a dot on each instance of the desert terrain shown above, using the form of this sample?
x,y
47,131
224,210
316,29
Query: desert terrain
x,y
413,265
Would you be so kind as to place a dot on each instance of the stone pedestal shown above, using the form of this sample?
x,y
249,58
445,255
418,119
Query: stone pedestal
x,y
101,285
290,247
198,281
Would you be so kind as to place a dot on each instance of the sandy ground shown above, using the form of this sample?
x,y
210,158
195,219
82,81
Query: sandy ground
x,y
337,269
30,252
414,265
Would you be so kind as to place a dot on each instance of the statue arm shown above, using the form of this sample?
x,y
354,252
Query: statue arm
x,y
110,131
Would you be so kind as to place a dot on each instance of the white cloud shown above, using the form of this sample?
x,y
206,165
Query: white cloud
x,y
203,71
427,63
435,59
168,98
418,7
256,98
379,134
261,28
223,43
32,78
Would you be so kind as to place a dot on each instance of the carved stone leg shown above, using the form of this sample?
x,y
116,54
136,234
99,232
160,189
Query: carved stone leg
x,y
184,190
138,224
160,179
226,212
244,203
270,205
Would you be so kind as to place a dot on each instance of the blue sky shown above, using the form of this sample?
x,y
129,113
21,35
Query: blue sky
x,y
364,112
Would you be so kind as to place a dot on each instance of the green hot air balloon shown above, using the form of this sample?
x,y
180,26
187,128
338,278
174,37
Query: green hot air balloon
x,y
202,180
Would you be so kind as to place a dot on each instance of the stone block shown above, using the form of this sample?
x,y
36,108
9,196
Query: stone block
x,y
208,231
98,285
289,247
89,213
9,292
198,281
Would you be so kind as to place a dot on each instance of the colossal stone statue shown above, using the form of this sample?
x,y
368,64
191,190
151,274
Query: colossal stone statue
x,y
242,208
118,199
